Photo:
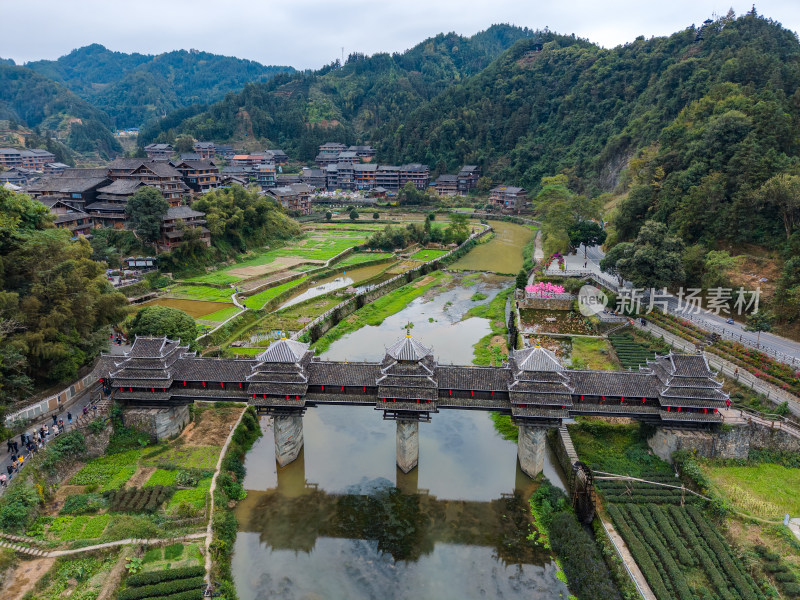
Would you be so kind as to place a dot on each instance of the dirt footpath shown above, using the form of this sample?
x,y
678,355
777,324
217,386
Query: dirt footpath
x,y
25,576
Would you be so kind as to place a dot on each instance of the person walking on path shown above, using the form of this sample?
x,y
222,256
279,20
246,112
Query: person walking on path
x,y
69,418
10,445
55,419
85,410
16,447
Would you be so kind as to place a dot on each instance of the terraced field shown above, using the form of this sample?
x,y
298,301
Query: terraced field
x,y
631,354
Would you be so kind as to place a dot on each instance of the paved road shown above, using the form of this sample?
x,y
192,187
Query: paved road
x,y
768,340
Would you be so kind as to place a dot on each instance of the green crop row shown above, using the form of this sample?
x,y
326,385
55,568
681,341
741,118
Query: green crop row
x,y
670,571
641,554
708,562
152,577
732,566
163,589
146,499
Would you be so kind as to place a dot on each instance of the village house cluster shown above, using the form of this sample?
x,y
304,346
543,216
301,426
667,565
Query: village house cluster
x,y
84,199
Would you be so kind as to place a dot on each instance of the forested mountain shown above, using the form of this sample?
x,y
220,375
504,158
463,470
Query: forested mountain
x,y
299,111
35,101
132,88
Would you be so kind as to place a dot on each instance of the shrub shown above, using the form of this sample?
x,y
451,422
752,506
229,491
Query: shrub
x,y
173,552
153,577
17,506
83,503
147,499
161,590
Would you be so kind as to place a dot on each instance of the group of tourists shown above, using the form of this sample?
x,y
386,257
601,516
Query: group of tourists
x,y
30,443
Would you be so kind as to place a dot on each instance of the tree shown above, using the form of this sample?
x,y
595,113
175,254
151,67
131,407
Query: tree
x,y
610,262
183,143
718,264
328,215
654,260
560,210
146,209
483,185
458,230
783,192
522,279
157,321
759,321
354,215
55,301
588,233
376,216
431,216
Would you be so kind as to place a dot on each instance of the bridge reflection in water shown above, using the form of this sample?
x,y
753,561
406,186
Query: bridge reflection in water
x,y
406,522
342,521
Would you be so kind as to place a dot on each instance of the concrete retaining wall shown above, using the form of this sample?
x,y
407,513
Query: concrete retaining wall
x,y
158,423
735,442
547,303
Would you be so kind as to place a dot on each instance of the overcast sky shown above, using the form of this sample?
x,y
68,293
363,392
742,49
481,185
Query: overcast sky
x,y
310,33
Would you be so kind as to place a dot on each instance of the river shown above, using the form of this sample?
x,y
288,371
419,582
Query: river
x,y
343,522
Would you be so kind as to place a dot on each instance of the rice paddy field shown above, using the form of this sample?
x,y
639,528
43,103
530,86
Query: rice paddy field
x,y
257,301
317,247
426,255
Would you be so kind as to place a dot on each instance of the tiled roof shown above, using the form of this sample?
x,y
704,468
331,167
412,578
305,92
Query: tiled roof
x,y
284,351
614,383
688,416
537,359
473,403
277,389
613,408
411,391
409,406
540,399
349,374
407,348
540,413
121,187
207,369
472,378
407,381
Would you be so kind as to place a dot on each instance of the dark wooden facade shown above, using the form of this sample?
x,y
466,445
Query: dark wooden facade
x,y
677,389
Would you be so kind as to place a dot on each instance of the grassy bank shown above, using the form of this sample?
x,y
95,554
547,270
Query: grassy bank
x,y
592,353
492,349
375,312
230,491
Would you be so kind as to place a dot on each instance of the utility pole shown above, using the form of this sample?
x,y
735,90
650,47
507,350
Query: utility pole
x,y
342,55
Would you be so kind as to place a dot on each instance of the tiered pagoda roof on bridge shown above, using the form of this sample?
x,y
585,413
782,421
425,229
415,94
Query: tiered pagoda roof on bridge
x,y
407,385
534,387
540,388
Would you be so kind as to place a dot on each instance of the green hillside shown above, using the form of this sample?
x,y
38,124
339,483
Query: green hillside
x,y
30,99
132,88
346,104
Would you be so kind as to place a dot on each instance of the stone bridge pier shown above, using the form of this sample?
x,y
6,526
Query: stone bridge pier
x,y
407,445
288,438
531,447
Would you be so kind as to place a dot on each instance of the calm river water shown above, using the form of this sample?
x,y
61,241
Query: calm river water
x,y
342,522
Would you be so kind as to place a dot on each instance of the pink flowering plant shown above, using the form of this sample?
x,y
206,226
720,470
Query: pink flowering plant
x,y
544,289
